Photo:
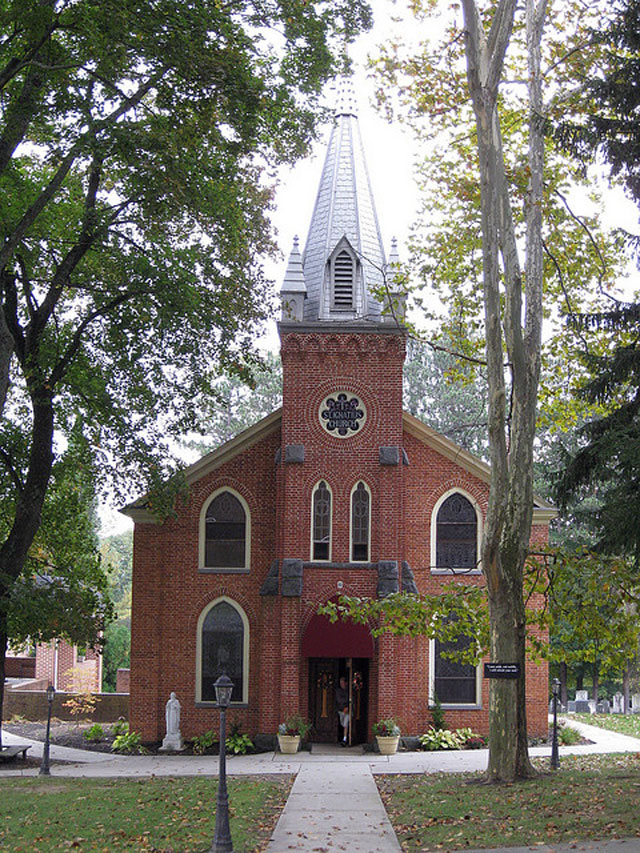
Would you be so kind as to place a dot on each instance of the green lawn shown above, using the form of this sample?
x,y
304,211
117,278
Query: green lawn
x,y
625,724
589,797
159,814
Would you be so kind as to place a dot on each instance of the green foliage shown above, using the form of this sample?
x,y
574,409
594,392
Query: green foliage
x,y
295,725
129,743
588,602
447,393
117,652
386,728
94,732
204,742
120,727
437,739
460,610
437,714
238,743
569,736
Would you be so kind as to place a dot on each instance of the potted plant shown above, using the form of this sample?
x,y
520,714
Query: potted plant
x,y
387,735
291,732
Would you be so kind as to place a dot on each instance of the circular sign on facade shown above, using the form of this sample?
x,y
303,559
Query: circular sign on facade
x,y
342,414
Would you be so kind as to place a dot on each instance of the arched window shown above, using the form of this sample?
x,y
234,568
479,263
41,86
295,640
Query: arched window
x,y
343,281
456,534
223,646
321,522
360,523
225,533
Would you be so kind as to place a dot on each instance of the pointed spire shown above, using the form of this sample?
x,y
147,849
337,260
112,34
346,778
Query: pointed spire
x,y
344,258
397,294
293,291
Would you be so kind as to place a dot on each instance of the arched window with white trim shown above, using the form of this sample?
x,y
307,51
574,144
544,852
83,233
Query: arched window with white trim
x,y
456,534
225,532
222,647
321,522
360,523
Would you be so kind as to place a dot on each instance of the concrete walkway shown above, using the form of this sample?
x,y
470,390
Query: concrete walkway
x,y
334,802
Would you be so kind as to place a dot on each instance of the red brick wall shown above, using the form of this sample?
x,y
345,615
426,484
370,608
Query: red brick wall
x,y
169,593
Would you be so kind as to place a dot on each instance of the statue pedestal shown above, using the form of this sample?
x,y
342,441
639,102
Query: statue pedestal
x,y
172,743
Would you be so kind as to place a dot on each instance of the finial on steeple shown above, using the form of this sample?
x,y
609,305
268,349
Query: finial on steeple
x,y
293,291
346,103
396,288
394,257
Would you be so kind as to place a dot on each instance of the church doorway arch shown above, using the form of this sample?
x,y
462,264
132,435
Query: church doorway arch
x,y
337,650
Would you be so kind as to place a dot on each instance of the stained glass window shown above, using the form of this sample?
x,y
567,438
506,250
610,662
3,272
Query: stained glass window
x,y
222,650
454,682
321,521
456,534
360,523
225,533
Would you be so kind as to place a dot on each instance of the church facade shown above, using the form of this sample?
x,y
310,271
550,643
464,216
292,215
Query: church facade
x,y
339,491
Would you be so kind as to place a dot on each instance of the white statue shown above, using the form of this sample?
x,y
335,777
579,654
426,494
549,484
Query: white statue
x,y
173,740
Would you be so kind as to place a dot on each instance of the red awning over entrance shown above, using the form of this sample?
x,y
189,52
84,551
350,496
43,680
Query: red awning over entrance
x,y
322,639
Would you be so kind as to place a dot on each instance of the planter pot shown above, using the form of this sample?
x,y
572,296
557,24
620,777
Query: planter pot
x,y
388,745
288,743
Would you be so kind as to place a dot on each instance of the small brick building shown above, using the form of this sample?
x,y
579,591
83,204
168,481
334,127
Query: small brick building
x,y
339,491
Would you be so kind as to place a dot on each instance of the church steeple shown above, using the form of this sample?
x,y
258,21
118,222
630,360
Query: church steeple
x,y
343,260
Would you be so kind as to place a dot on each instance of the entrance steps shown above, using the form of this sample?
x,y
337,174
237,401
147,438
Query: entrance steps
x,y
336,749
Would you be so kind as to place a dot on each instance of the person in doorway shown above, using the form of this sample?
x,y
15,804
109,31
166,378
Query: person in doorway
x,y
342,705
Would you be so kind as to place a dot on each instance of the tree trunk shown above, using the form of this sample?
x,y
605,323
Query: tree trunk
x,y
596,680
15,548
626,690
509,512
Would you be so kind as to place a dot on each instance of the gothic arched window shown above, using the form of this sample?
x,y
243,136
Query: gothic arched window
x,y
360,523
225,533
456,534
321,522
223,637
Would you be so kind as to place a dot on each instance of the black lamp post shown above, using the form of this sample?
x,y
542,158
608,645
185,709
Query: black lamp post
x,y
44,767
222,839
555,758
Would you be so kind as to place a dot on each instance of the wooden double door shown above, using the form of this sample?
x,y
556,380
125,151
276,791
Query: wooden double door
x,y
324,678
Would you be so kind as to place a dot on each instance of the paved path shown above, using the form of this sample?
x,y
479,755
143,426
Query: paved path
x,y
334,803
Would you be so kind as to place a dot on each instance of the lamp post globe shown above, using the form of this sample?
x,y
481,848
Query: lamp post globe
x,y
222,838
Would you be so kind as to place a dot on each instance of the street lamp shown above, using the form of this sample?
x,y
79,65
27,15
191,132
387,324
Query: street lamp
x,y
555,758
222,838
44,767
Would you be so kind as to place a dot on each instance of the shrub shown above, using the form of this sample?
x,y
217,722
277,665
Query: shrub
x,y
120,727
437,715
569,736
238,743
94,733
204,742
436,739
129,743
386,728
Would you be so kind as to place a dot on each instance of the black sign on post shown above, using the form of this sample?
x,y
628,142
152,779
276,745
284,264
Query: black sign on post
x,y
502,670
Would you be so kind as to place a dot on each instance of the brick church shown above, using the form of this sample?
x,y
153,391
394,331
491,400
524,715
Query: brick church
x,y
339,491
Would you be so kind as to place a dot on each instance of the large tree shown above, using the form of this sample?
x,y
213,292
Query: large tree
x,y
138,143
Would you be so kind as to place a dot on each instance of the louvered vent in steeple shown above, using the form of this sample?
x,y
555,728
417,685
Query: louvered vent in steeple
x,y
343,281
